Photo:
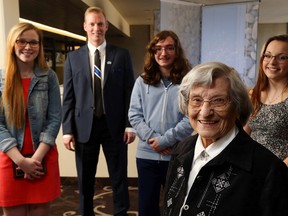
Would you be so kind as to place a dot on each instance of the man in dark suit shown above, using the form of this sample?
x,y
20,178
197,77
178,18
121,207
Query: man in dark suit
x,y
83,130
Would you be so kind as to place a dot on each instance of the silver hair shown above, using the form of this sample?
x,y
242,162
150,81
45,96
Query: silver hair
x,y
204,75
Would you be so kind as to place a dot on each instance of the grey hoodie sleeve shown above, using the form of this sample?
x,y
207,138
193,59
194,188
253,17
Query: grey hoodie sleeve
x,y
182,130
136,115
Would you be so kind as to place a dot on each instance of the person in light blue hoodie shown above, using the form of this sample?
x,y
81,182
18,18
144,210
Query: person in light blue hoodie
x,y
154,114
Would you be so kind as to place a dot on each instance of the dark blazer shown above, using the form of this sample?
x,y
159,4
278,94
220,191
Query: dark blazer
x,y
78,92
244,179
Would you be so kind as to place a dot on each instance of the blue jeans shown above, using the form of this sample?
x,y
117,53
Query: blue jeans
x,y
151,176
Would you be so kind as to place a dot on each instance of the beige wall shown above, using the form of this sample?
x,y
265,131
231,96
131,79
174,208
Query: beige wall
x,y
136,44
267,30
68,167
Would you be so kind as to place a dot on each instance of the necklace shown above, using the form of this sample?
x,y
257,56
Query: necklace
x,y
277,94
270,101
273,99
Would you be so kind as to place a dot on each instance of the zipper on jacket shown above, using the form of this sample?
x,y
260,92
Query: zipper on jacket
x,y
164,110
164,107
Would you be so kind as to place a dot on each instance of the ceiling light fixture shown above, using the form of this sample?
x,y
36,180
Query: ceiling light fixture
x,y
54,30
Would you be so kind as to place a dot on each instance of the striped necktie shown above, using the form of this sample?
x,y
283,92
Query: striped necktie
x,y
98,103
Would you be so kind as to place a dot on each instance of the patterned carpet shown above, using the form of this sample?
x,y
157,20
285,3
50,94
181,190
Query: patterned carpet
x,y
67,204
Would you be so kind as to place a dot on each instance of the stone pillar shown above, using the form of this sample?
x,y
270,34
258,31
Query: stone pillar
x,y
250,71
9,16
184,19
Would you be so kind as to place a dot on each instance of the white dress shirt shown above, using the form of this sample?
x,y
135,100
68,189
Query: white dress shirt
x,y
102,51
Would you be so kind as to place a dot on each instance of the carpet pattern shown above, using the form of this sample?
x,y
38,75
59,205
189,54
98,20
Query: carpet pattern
x,y
68,203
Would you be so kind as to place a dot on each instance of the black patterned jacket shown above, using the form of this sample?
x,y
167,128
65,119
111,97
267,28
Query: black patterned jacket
x,y
244,179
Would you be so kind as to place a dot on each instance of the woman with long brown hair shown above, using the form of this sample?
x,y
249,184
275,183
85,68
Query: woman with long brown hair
x,y
268,123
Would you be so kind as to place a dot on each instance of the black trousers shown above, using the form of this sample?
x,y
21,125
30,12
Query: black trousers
x,y
87,155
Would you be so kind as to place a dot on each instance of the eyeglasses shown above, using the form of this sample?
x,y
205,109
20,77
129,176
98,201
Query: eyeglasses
x,y
278,58
23,43
218,103
169,48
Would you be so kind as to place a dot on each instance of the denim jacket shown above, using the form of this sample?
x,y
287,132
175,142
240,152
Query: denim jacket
x,y
44,111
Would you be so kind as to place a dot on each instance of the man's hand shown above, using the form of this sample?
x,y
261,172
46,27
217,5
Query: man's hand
x,y
69,142
129,137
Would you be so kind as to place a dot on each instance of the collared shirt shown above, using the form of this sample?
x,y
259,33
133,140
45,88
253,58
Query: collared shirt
x,y
102,51
203,155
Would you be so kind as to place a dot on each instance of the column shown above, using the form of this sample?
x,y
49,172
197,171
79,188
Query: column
x,y
184,18
9,16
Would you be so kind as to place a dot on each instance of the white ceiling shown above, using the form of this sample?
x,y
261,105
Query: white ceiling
x,y
138,12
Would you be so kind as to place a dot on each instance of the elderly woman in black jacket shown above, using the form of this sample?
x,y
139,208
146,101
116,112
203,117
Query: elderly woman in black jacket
x,y
221,170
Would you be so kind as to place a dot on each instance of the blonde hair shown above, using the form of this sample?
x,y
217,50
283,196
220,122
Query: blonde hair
x,y
96,10
12,98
